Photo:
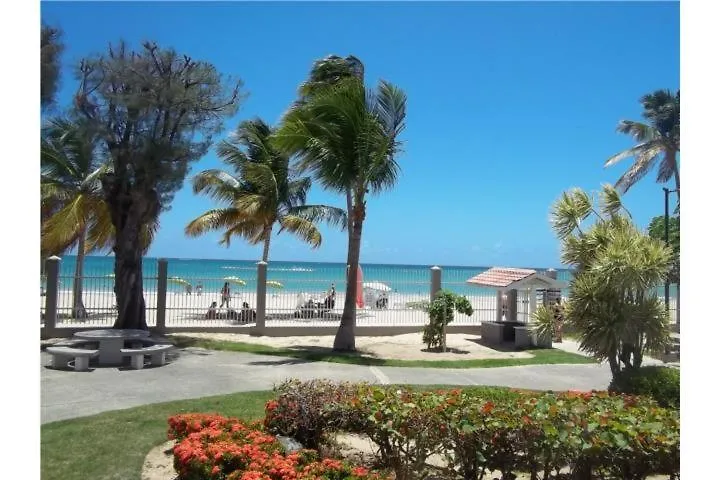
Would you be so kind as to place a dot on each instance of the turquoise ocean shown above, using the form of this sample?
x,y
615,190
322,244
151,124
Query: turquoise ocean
x,y
295,276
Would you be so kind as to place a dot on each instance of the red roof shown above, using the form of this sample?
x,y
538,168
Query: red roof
x,y
500,277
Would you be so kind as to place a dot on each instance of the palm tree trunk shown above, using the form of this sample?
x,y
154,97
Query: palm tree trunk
x,y
348,198
345,336
78,310
266,245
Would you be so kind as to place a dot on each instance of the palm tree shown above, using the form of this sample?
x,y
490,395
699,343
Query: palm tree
x,y
324,73
73,208
71,195
346,136
657,140
261,192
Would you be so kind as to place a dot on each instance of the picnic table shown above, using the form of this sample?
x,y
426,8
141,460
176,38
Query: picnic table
x,y
110,342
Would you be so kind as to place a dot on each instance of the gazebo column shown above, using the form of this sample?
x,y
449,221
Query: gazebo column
x,y
499,306
532,300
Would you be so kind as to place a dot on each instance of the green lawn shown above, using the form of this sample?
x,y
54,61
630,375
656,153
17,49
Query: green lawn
x,y
113,445
540,356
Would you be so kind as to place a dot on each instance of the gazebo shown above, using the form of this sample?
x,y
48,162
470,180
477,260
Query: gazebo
x,y
515,286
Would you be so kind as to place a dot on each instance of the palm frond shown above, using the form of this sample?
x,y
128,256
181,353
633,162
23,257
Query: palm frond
x,y
644,162
321,213
301,228
219,218
217,184
252,232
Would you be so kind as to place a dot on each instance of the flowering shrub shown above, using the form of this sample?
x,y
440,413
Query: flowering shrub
x,y
592,434
211,447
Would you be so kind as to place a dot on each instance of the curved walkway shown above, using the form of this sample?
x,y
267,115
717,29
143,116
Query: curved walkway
x,y
195,372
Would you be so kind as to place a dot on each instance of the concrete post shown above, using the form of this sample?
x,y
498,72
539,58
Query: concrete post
x,y
261,296
161,295
435,281
52,271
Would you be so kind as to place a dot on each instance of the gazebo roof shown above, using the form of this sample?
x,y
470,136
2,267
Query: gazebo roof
x,y
505,278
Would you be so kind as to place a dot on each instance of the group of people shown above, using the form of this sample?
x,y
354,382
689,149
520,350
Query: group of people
x,y
310,308
246,314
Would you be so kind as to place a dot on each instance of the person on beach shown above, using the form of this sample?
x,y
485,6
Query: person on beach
x,y
188,289
198,288
225,295
212,312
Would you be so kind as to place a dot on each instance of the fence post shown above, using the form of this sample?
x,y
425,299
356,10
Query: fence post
x,y
52,270
162,266
261,297
435,281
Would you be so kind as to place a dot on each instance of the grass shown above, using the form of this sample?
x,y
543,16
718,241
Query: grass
x,y
113,445
317,354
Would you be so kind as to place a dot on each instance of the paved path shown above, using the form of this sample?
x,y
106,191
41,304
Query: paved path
x,y
194,373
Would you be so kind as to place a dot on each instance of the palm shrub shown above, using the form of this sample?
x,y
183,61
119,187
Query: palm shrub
x,y
613,303
442,311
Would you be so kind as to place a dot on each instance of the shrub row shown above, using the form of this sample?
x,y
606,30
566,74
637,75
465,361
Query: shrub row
x,y
212,447
589,434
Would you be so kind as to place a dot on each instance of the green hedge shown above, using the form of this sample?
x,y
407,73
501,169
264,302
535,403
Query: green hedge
x,y
660,383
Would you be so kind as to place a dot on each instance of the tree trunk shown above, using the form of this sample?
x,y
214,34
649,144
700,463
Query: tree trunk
x,y
345,336
348,199
130,208
266,245
677,178
78,310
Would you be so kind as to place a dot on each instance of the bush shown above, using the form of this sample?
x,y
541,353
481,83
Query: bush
x,y
308,411
211,447
442,312
511,431
659,383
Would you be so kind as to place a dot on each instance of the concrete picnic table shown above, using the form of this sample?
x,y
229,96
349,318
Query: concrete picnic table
x,y
110,341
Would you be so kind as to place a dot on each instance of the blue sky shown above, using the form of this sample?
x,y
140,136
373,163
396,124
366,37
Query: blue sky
x,y
509,104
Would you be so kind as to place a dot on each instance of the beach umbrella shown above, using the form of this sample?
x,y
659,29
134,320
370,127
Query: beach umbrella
x,y
179,281
379,286
236,280
274,284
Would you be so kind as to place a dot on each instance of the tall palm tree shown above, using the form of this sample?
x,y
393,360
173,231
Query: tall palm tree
x,y
73,208
346,136
657,140
261,193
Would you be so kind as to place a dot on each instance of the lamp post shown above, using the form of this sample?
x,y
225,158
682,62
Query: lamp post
x,y
667,243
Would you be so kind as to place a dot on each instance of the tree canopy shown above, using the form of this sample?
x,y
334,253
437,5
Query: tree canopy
x,y
51,48
155,112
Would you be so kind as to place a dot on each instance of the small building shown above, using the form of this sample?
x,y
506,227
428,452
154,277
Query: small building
x,y
517,294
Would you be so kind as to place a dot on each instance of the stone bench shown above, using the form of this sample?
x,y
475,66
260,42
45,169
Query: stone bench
x,y
137,355
81,356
